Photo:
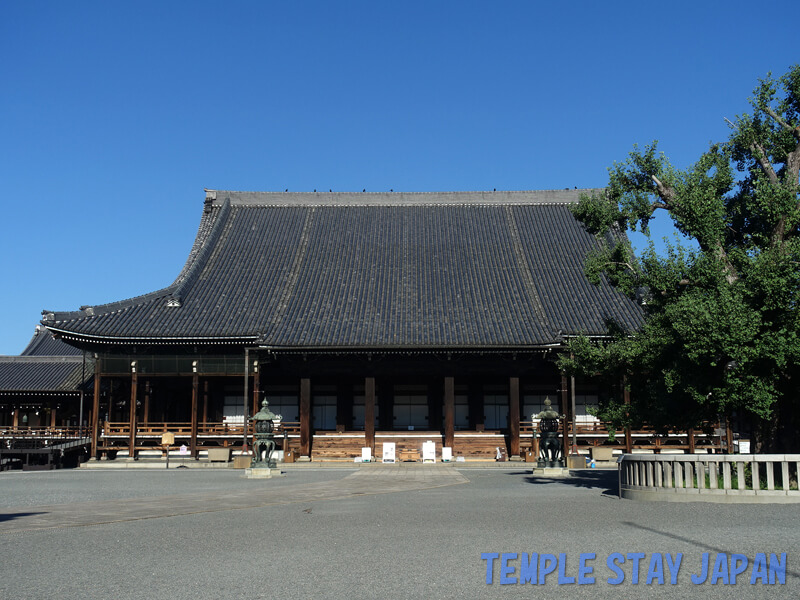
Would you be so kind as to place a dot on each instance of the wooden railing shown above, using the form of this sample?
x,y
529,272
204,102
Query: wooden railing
x,y
42,433
116,436
116,429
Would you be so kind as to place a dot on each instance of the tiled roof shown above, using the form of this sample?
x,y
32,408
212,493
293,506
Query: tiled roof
x,y
360,270
44,344
46,366
41,374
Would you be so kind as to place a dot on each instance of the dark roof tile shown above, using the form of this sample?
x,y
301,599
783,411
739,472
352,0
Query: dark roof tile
x,y
468,269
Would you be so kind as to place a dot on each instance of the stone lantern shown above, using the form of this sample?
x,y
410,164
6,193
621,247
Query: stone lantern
x,y
549,445
264,437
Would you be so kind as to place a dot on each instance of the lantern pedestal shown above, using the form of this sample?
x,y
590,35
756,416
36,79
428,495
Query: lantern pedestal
x,y
551,472
258,473
262,473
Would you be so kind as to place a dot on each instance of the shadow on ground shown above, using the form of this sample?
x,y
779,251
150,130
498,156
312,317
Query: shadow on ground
x,y
10,517
608,481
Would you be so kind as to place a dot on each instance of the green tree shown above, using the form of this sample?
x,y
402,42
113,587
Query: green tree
x,y
721,329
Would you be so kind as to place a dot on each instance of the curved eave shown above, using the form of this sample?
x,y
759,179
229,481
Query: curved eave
x,y
75,393
252,342
408,350
77,337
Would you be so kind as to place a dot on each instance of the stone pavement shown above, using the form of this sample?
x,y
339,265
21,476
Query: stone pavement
x,y
374,480
415,531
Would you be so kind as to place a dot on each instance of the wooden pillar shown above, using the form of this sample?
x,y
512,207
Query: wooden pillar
x,y
53,417
205,401
15,418
146,407
513,416
246,399
728,436
96,408
449,411
193,438
132,415
305,417
369,413
690,434
626,397
256,387
566,412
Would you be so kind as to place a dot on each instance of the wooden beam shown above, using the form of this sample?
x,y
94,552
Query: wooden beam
x,y
513,415
132,414
369,413
305,417
193,434
449,411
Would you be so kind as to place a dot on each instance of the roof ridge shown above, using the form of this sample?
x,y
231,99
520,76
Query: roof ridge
x,y
392,198
212,194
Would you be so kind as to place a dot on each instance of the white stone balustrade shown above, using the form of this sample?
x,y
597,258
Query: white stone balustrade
x,y
710,477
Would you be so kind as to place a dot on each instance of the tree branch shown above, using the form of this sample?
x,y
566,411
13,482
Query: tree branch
x,y
667,194
731,276
793,168
781,122
624,264
766,166
793,164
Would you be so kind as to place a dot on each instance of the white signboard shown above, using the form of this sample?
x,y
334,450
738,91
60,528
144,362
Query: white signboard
x,y
744,446
429,452
366,454
447,454
388,452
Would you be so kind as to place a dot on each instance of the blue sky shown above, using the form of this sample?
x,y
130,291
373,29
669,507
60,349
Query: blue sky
x,y
114,116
